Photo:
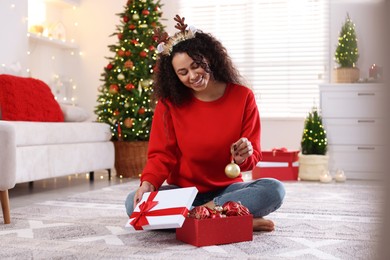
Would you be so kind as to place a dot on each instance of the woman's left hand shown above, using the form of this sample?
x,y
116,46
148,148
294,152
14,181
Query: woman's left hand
x,y
241,150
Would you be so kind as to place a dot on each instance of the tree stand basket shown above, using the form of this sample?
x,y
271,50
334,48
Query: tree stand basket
x,y
346,75
311,166
130,158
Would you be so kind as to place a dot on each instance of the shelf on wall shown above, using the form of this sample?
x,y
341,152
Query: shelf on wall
x,y
55,42
64,3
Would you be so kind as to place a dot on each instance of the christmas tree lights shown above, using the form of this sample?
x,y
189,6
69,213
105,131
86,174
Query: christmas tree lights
x,y
347,53
314,139
125,97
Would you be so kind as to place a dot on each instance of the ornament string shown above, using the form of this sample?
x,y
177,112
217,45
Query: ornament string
x,y
232,170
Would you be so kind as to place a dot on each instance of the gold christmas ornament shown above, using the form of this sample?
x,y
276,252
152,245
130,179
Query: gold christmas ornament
x,y
121,76
145,83
232,170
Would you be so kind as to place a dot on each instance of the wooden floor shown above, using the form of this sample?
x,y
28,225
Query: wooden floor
x,y
25,193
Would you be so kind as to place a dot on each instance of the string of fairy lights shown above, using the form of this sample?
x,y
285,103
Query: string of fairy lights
x,y
314,140
42,32
347,53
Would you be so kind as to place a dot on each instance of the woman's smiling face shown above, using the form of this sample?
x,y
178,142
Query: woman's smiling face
x,y
190,73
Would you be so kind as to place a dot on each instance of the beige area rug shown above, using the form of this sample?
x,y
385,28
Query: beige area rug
x,y
316,221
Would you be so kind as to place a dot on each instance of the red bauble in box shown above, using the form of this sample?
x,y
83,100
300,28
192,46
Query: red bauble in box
x,y
199,212
232,208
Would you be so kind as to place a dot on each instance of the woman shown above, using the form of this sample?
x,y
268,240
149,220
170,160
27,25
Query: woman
x,y
205,118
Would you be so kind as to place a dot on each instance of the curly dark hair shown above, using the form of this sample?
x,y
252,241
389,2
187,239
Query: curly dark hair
x,y
202,48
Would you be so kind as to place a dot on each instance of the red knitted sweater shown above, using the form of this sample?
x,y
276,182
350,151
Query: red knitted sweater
x,y
190,145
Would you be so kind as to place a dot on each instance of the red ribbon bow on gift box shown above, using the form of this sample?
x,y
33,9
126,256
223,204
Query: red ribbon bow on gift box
x,y
140,219
282,149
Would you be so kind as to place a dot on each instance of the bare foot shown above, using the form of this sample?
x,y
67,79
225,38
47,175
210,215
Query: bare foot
x,y
261,224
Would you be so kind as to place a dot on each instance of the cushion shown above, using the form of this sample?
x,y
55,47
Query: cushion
x,y
27,99
73,113
46,133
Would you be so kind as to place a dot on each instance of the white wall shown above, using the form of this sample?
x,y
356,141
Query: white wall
x,y
13,24
97,20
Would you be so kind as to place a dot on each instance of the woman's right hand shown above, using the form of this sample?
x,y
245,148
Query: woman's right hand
x,y
145,187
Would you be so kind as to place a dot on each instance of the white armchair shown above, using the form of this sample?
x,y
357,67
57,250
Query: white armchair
x,y
33,151
40,138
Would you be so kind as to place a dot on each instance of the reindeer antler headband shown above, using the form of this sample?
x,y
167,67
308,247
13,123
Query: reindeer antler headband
x,y
166,43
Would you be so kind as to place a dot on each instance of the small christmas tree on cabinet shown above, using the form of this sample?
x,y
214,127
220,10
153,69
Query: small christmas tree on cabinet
x,y
125,97
347,54
313,160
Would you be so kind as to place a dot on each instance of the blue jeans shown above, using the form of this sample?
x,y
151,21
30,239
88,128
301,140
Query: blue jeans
x,y
261,196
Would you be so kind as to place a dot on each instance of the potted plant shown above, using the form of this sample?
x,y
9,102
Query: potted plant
x,y
347,54
313,158
124,100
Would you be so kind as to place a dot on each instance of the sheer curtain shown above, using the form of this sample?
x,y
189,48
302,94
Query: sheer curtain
x,y
281,47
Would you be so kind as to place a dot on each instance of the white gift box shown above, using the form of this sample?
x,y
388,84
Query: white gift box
x,y
162,209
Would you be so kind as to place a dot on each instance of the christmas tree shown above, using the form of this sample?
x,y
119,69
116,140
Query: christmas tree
x,y
314,135
347,54
125,97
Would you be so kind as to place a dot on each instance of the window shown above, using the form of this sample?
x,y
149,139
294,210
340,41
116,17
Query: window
x,y
280,46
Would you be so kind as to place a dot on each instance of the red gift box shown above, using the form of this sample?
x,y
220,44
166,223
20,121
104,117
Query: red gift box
x,y
206,232
279,164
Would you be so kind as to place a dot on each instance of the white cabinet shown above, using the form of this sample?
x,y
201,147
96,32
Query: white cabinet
x,y
354,121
